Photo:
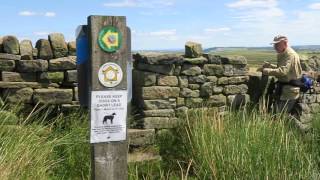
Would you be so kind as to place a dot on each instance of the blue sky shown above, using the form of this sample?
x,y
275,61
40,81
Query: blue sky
x,y
167,24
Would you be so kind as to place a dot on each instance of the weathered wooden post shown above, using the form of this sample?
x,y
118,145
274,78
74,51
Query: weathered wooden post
x,y
108,100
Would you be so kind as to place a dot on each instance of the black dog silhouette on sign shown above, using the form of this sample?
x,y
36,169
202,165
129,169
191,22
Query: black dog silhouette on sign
x,y
108,117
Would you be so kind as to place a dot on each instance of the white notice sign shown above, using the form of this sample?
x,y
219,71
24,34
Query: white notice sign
x,y
108,116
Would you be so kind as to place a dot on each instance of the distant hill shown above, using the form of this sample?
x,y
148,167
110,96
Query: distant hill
x,y
219,49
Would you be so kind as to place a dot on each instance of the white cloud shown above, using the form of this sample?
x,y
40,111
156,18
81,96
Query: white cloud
x,y
27,13
140,3
252,4
168,32
315,6
41,33
215,30
50,14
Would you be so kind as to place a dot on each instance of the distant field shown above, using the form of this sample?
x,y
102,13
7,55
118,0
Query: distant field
x,y
256,57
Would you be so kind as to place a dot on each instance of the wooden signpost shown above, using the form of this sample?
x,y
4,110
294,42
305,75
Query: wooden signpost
x,y
109,53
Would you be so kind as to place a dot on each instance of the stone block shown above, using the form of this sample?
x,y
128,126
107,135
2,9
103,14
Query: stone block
x,y
58,45
186,92
1,44
237,60
7,65
305,118
238,79
212,79
303,108
309,98
217,89
167,69
228,70
53,96
206,89
159,113
193,50
177,70
35,53
159,122
32,65
198,60
197,79
238,100
23,95
194,86
62,64
6,56
75,94
71,76
223,81
11,45
26,50
159,104
216,100
167,80
240,70
142,78
180,102
19,85
160,92
56,77
18,77
156,58
213,70
72,48
183,81
194,102
315,108
182,112
44,49
235,89
141,137
213,59
190,70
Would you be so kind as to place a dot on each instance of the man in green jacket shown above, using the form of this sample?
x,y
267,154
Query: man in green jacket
x,y
288,68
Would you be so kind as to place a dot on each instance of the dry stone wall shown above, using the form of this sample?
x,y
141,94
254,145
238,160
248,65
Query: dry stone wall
x,y
167,85
45,73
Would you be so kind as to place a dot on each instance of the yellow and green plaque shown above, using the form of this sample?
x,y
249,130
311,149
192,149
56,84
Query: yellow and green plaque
x,y
110,39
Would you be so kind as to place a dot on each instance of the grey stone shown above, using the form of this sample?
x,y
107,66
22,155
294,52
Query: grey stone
x,y
32,65
223,81
238,79
318,98
52,96
228,70
182,112
235,89
75,94
142,78
167,69
183,81
141,137
7,65
238,100
197,79
6,56
193,50
213,69
217,89
180,101
190,70
185,92
56,77
198,60
237,60
159,92
217,100
1,44
167,80
159,122
72,48
61,64
305,118
23,95
35,53
158,58
240,70
158,104
194,102
44,49
26,49
159,113
206,89
212,79
194,86
309,98
42,77
303,108
11,45
58,45
71,76
18,77
177,70
19,85
213,59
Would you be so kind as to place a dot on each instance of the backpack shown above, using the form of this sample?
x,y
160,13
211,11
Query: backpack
x,y
307,83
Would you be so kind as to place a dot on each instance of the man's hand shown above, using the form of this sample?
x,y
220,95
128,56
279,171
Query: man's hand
x,y
260,69
267,64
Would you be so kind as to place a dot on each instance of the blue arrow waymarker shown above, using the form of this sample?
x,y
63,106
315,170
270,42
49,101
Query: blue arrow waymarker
x,y
82,48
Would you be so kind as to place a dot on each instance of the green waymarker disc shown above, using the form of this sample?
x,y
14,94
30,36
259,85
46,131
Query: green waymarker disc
x,y
110,39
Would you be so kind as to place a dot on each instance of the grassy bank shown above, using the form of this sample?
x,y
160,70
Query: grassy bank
x,y
248,144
